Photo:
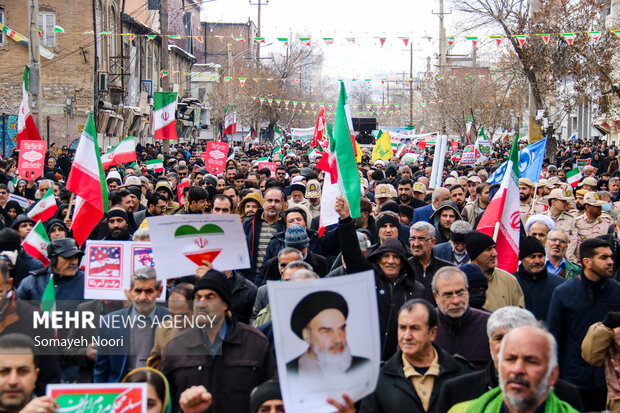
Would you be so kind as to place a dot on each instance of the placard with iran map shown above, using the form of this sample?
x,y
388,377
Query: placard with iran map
x,y
182,242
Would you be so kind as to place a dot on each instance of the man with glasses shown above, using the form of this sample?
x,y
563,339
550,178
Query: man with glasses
x,y
461,328
155,205
182,172
281,174
4,195
425,264
558,207
557,264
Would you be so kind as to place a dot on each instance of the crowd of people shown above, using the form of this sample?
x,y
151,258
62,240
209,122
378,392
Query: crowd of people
x,y
457,332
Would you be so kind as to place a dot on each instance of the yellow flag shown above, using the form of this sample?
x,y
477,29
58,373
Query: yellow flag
x,y
358,150
383,148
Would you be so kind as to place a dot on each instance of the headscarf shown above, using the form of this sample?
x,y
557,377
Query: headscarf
x,y
166,401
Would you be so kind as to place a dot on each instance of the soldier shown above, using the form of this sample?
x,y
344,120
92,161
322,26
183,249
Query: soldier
x,y
558,205
593,222
528,206
579,205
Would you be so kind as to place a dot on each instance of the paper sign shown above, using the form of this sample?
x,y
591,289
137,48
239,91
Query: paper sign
x,y
307,377
269,165
217,153
105,398
110,264
31,159
180,191
454,146
469,155
218,239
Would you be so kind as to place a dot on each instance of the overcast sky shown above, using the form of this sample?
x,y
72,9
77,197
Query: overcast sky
x,y
363,19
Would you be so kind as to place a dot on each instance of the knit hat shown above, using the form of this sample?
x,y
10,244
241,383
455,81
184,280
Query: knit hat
x,y
530,245
387,219
312,304
390,206
406,210
215,281
475,276
476,242
120,213
269,390
296,237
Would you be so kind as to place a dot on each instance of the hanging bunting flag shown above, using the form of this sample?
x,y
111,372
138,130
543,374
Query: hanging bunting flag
x,y
199,38
405,40
286,103
283,40
544,36
450,40
594,35
521,38
381,40
174,36
497,38
616,32
439,77
569,37
163,73
242,81
227,78
328,40
351,39
261,100
294,104
474,40
58,29
151,36
270,100
131,36
259,39
305,40
278,101
238,38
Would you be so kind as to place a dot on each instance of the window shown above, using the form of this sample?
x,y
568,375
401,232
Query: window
x,y
47,22
1,32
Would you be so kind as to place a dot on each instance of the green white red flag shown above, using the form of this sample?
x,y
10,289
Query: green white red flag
x,y
164,105
468,123
48,299
123,152
36,243
573,177
26,128
501,220
45,208
156,165
87,181
230,123
319,128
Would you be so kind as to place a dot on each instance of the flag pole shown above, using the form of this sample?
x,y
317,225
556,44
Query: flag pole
x,y
70,203
495,231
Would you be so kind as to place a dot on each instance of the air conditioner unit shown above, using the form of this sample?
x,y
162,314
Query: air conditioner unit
x,y
103,81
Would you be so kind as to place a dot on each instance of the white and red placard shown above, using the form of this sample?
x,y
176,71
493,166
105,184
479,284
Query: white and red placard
x,y
31,159
217,153
269,165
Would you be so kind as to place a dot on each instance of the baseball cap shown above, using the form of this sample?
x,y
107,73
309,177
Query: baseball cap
x,y
592,198
475,178
450,181
383,191
419,187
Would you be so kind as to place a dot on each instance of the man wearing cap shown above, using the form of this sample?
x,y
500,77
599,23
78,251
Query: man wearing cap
x,y
313,195
405,194
419,192
383,194
472,183
536,283
558,205
594,222
226,357
320,320
23,224
528,206
473,210
589,184
503,287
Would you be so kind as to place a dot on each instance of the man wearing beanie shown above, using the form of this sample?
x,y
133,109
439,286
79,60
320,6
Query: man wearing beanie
x,y
477,285
226,357
503,287
537,284
118,226
388,226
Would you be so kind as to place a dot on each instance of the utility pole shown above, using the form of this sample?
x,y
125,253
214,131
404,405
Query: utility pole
x,y
442,37
34,85
259,3
165,59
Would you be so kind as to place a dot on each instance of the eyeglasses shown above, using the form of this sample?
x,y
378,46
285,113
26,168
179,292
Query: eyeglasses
x,y
3,192
554,240
449,296
419,239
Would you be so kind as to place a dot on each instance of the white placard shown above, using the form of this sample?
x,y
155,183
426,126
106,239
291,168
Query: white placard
x,y
351,354
181,242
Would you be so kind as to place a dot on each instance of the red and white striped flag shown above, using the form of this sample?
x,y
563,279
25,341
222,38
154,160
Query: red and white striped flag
x,y
45,208
26,128
164,105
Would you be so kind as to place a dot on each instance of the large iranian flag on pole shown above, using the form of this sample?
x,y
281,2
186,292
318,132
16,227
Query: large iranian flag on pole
x,y
501,219
87,182
36,243
26,128
45,208
230,123
156,165
164,105
123,152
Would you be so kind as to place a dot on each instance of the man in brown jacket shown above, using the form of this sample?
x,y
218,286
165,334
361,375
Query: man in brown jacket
x,y
226,357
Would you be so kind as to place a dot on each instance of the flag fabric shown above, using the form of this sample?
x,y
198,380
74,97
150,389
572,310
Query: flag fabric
x,y
530,163
36,243
318,129
277,135
123,152
383,148
501,219
87,182
164,110
230,123
358,152
573,177
468,123
48,299
402,148
264,159
26,128
248,138
45,208
156,165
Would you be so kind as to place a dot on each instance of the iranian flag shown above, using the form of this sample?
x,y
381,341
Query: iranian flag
x,y
26,128
468,123
164,105
264,159
340,167
124,151
156,165
501,219
87,182
230,123
36,243
319,128
573,177
45,208
401,150
277,135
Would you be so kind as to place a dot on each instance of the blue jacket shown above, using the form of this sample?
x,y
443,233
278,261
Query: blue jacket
x,y
66,288
443,251
111,360
537,292
423,214
575,306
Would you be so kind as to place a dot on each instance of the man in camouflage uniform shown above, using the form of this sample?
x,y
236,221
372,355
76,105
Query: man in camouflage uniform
x,y
579,205
593,222
528,206
558,205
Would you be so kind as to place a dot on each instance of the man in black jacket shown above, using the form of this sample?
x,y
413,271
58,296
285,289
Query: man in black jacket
x,y
410,381
473,385
394,277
